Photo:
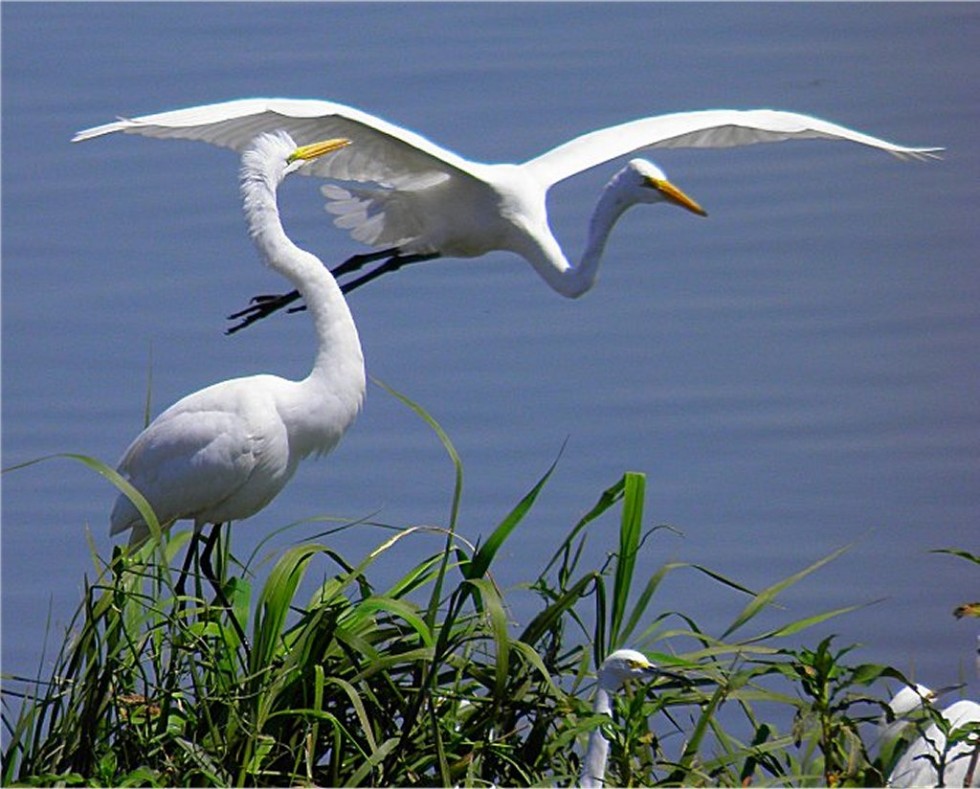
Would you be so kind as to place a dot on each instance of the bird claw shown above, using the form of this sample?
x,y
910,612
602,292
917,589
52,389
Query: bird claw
x,y
251,314
260,307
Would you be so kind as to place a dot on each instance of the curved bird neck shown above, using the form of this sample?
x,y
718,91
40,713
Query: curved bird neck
x,y
334,389
549,260
596,755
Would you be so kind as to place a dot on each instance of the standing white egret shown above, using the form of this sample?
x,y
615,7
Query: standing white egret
x,y
918,764
223,453
428,202
616,670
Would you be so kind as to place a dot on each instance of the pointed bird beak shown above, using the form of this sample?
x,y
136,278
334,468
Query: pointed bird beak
x,y
660,672
675,195
317,149
654,671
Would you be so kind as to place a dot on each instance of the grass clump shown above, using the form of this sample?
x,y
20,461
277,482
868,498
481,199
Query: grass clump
x,y
428,681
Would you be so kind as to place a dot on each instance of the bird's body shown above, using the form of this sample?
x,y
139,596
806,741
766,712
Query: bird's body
x,y
426,201
917,766
223,453
616,670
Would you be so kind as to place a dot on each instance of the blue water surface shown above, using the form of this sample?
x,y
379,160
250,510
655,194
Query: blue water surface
x,y
796,373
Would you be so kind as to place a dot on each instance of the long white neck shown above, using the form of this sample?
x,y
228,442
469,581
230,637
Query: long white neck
x,y
550,262
324,404
594,770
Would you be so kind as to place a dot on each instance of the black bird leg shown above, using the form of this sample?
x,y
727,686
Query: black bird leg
x,y
357,262
264,305
261,307
191,550
390,265
209,574
208,571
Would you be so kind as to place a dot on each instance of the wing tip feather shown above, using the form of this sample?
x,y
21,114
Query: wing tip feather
x,y
120,124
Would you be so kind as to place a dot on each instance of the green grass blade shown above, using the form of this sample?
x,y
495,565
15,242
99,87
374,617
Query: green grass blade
x,y
643,601
275,599
608,499
800,625
373,760
447,444
547,619
483,558
970,557
443,437
401,609
766,597
493,606
121,484
630,529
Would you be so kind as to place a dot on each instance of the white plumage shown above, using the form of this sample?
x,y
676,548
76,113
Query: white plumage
x,y
223,453
917,766
616,670
425,201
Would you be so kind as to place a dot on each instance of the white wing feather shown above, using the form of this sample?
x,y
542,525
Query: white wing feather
x,y
218,454
401,159
405,165
381,152
377,217
702,129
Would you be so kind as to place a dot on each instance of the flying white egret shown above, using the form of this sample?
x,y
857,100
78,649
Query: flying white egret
x,y
427,202
223,453
918,764
616,670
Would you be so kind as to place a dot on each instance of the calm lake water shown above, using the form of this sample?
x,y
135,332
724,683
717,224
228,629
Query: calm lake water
x,y
795,373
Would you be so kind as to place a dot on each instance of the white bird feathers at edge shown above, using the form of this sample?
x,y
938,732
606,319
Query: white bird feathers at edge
x,y
430,201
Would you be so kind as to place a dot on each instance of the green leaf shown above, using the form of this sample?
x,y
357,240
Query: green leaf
x,y
493,607
483,558
970,557
550,616
373,759
403,610
608,499
262,747
766,597
792,628
630,529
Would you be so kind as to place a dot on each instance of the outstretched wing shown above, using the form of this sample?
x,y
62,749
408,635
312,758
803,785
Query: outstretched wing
x,y
381,152
702,129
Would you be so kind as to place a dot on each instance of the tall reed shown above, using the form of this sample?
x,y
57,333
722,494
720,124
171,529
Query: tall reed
x,y
427,681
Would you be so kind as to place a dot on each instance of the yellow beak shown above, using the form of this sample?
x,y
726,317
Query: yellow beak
x,y
317,149
676,196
